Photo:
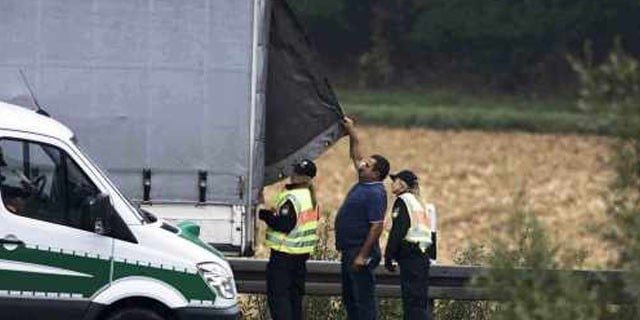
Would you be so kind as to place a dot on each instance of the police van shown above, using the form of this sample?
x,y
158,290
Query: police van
x,y
73,247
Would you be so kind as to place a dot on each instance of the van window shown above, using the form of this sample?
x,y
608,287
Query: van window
x,y
42,182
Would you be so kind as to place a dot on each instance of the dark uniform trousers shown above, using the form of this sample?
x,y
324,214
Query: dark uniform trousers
x,y
414,276
285,285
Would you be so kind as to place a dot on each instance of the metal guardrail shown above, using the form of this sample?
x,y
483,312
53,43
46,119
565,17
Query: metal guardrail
x,y
445,282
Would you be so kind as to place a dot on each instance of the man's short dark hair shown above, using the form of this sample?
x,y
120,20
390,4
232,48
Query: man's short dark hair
x,y
381,166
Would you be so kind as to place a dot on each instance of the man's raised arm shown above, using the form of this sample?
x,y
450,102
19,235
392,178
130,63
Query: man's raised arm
x,y
354,142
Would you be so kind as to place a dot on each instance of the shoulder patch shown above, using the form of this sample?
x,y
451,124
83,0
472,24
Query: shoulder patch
x,y
284,211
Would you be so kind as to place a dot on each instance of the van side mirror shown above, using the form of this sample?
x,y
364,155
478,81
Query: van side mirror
x,y
100,211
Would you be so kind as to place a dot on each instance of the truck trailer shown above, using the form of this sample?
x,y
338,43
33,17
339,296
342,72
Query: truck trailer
x,y
192,107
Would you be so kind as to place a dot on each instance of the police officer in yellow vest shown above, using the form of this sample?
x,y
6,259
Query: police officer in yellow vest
x,y
408,244
291,235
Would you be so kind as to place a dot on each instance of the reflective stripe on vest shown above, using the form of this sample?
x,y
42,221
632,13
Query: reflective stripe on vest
x,y
302,239
420,230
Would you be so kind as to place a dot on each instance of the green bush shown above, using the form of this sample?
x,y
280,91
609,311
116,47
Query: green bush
x,y
523,266
473,255
523,271
611,87
536,293
614,87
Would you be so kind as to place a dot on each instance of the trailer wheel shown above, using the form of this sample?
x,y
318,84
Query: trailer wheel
x,y
135,313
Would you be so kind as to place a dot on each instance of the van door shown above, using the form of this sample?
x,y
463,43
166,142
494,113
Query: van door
x,y
51,259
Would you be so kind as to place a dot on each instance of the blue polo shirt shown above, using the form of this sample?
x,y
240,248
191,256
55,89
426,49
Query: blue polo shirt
x,y
365,203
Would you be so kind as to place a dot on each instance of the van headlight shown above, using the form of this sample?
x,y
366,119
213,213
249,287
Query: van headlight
x,y
218,278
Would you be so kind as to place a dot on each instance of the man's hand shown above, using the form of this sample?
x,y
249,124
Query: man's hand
x,y
359,262
388,264
348,124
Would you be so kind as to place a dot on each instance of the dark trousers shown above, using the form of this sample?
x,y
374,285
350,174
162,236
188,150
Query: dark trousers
x,y
414,276
285,285
358,287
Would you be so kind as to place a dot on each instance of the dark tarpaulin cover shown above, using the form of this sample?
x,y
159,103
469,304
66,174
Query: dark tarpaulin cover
x,y
303,116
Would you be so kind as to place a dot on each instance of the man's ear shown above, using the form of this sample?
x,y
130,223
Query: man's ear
x,y
377,175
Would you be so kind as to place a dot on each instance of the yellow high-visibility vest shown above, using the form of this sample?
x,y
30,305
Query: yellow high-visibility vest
x,y
420,230
303,238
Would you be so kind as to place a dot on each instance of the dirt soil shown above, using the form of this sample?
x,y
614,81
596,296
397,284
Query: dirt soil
x,y
473,178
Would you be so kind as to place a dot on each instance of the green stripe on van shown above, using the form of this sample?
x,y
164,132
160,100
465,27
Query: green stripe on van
x,y
28,281
191,285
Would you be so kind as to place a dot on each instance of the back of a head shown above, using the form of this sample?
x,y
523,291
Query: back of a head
x,y
306,168
381,166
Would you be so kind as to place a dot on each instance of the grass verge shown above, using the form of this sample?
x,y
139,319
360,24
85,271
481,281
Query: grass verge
x,y
441,109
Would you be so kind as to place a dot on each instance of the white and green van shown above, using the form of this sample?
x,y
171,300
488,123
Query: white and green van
x,y
72,247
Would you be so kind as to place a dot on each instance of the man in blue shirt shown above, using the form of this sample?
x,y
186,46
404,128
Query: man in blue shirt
x,y
358,228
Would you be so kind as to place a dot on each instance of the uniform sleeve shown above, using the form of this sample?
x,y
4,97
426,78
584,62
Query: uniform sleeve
x,y
283,221
376,207
288,217
399,228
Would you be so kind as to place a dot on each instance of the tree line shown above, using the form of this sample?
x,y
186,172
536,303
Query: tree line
x,y
501,45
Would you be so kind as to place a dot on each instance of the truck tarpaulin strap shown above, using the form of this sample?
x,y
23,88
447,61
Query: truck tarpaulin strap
x,y
303,116
240,187
202,186
146,185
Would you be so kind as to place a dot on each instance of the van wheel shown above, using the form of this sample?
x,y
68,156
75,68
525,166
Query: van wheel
x,y
135,314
